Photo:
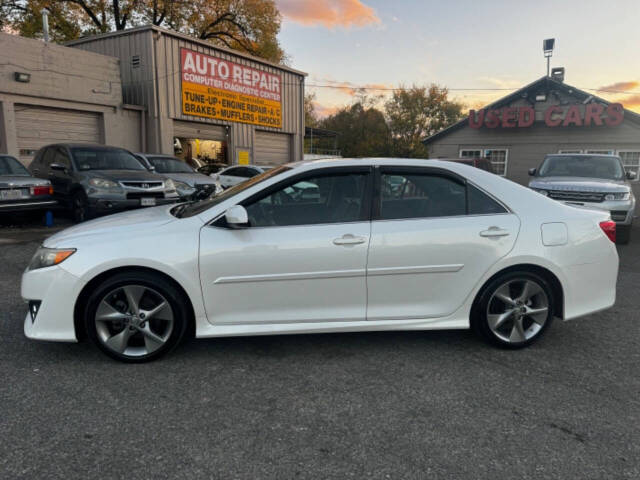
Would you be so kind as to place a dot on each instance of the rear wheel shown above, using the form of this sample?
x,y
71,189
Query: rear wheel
x,y
514,309
136,317
623,234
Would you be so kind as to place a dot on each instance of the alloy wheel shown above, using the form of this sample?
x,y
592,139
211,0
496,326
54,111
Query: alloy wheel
x,y
518,310
134,320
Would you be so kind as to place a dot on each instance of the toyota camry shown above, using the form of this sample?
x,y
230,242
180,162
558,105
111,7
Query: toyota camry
x,y
326,246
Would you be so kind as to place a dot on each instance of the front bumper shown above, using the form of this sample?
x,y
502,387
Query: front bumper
x,y
57,290
621,211
118,204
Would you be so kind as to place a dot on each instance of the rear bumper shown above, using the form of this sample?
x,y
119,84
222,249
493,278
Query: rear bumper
x,y
25,205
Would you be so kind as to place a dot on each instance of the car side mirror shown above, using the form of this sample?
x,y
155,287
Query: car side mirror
x,y
152,168
631,175
58,166
237,217
215,176
532,171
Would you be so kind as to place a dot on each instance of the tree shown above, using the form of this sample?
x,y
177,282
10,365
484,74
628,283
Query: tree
x,y
310,116
416,113
362,129
247,25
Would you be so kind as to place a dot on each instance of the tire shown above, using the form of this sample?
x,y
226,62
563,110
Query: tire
x,y
623,234
125,318
80,207
531,312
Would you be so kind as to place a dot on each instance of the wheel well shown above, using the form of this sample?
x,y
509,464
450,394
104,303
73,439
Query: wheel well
x,y
91,285
548,275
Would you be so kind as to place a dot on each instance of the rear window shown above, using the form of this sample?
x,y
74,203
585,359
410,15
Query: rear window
x,y
11,166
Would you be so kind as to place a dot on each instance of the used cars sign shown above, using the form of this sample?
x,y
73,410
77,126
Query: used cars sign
x,y
216,88
554,116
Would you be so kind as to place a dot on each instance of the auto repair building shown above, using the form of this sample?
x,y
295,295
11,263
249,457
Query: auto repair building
x,y
547,116
149,89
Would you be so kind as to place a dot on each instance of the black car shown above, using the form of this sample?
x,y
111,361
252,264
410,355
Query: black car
x,y
20,191
95,179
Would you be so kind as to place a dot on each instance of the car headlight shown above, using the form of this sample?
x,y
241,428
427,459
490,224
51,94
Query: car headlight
x,y
169,184
617,196
181,185
48,257
103,183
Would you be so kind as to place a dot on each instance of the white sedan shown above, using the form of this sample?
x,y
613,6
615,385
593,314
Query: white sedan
x,y
236,174
326,246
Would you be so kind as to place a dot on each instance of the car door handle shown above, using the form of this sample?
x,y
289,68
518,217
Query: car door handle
x,y
349,239
494,232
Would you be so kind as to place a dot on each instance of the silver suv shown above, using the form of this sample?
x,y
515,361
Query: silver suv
x,y
589,181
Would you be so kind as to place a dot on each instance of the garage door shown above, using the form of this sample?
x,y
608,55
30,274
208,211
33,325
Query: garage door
x,y
272,148
38,126
201,131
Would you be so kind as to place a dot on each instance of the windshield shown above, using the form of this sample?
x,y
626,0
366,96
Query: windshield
x,y
11,166
95,158
194,208
608,168
170,165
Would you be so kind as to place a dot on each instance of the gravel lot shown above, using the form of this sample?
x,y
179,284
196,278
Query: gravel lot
x,y
374,405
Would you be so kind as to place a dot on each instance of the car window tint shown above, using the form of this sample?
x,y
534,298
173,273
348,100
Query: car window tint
x,y
420,196
47,157
60,157
482,204
331,198
11,166
246,172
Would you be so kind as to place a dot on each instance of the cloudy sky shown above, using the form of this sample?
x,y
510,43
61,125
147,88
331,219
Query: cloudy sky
x,y
462,44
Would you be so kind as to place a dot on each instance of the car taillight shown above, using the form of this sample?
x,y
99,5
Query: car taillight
x,y
609,229
44,190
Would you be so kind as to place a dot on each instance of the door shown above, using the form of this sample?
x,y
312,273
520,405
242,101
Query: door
x,y
301,259
272,148
40,126
432,237
60,179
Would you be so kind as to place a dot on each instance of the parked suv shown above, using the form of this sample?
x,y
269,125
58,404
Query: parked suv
x,y
592,181
95,179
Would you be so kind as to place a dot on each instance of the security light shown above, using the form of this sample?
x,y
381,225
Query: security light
x,y
22,77
547,46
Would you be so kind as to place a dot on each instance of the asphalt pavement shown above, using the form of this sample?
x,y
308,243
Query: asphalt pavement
x,y
360,405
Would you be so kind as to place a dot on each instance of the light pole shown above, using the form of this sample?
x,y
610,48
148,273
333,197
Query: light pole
x,y
547,48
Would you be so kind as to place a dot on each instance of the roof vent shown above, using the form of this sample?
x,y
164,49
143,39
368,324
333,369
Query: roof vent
x,y
557,74
135,61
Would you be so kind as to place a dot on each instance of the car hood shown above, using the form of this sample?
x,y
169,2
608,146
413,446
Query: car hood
x,y
124,175
21,181
113,226
191,179
580,184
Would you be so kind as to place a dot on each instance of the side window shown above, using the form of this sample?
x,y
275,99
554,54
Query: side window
x,y
60,157
47,158
245,172
481,203
420,196
330,198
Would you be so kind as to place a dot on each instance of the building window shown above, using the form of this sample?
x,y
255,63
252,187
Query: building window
x,y
630,160
600,152
497,156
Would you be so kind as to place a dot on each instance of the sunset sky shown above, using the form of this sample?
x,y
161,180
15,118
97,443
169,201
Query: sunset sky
x,y
483,44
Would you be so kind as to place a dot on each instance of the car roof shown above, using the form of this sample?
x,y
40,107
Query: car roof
x,y
83,145
582,155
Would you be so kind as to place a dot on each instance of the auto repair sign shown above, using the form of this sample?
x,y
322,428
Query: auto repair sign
x,y
220,89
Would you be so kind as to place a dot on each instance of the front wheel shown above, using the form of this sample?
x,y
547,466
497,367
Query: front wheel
x,y
136,317
80,207
514,310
